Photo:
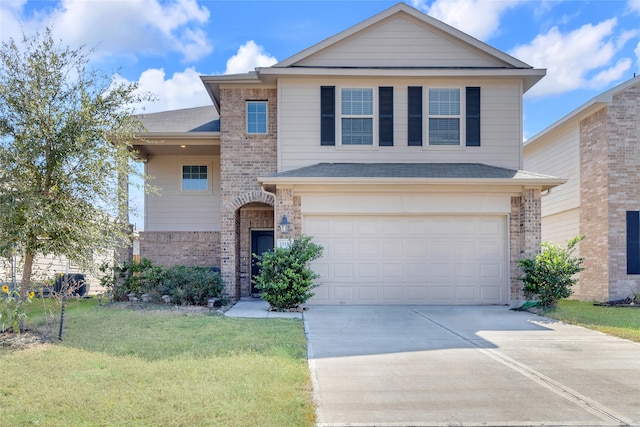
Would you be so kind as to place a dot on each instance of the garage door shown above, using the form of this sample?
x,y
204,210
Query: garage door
x,y
409,260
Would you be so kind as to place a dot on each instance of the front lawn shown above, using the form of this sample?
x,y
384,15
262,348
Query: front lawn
x,y
623,322
125,367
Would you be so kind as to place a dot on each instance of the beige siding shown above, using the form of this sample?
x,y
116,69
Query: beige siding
x,y
557,154
401,42
299,125
177,210
560,227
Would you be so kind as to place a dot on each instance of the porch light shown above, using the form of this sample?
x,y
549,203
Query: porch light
x,y
284,225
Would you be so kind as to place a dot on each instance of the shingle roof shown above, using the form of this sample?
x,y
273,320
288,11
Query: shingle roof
x,y
407,170
198,119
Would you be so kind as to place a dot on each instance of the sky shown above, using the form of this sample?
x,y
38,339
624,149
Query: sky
x,y
586,47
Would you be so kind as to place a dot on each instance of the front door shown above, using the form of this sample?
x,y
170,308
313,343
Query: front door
x,y
261,241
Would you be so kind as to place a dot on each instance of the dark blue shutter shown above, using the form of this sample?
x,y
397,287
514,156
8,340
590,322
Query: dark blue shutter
x,y
415,116
473,117
633,242
327,115
385,119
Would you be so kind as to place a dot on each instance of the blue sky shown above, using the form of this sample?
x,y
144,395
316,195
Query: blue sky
x,y
587,47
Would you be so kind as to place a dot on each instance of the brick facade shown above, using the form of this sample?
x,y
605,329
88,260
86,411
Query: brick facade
x,y
524,236
193,248
610,186
243,157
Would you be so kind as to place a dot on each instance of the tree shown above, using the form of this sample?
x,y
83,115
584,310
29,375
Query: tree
x,y
65,135
550,275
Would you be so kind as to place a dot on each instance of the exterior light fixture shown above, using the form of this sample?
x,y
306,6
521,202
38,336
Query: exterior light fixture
x,y
284,225
183,146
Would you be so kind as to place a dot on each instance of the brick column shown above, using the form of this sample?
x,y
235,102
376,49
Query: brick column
x,y
525,236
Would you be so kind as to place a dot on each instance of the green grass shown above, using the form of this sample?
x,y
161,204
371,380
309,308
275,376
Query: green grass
x,y
622,322
122,367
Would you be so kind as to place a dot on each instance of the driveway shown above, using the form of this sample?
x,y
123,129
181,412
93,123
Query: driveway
x,y
466,366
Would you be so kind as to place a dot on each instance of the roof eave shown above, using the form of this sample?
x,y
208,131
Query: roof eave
x,y
542,183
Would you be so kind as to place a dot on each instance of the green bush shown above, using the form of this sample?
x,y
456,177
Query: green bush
x,y
190,285
285,279
184,285
550,275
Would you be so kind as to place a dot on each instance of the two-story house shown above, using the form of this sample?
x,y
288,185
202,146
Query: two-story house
x,y
597,148
396,144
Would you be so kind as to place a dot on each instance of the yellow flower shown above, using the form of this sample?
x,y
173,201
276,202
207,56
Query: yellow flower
x,y
32,294
5,289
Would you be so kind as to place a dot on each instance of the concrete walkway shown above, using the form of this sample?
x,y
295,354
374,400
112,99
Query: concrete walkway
x,y
257,308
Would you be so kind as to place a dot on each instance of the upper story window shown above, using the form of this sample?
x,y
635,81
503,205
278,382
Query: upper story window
x,y
357,116
257,117
195,178
444,116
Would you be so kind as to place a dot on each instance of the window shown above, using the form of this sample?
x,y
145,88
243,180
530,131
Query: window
x,y
257,117
444,116
357,116
633,242
194,178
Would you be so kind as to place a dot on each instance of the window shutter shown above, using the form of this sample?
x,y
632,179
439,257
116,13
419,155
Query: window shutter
x,y
633,242
385,111
473,117
415,116
327,115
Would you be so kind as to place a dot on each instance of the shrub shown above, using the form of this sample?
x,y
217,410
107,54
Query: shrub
x,y
184,285
190,285
12,310
285,279
550,275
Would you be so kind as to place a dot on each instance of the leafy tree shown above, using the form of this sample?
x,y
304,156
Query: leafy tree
x,y
550,275
285,279
65,153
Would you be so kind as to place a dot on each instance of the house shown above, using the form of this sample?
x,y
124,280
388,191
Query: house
x,y
396,144
597,147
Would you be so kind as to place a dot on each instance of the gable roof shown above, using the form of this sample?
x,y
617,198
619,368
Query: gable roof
x,y
587,108
398,42
409,15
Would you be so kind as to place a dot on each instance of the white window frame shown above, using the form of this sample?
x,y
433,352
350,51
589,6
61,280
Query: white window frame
x,y
460,116
199,190
266,116
373,116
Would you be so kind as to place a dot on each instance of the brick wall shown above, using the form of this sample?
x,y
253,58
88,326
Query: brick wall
x,y
197,248
594,210
623,133
525,229
243,158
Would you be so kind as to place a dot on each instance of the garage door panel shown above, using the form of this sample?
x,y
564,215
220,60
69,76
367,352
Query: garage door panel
x,y
409,259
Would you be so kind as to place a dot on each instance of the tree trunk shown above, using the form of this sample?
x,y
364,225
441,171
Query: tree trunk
x,y
26,275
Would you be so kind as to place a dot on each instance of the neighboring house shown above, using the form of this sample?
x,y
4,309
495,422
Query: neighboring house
x,y
396,144
597,147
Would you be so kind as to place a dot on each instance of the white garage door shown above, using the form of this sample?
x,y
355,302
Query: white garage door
x,y
409,260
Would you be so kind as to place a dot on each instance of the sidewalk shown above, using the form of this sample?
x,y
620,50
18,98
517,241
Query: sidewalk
x,y
257,308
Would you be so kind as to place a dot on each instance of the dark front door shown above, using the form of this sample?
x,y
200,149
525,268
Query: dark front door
x,y
261,241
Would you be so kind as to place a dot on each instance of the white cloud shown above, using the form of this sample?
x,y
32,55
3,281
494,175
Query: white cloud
x,y
182,90
478,18
634,5
637,52
249,56
572,58
123,27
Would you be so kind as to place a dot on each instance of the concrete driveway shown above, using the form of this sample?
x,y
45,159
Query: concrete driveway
x,y
466,366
